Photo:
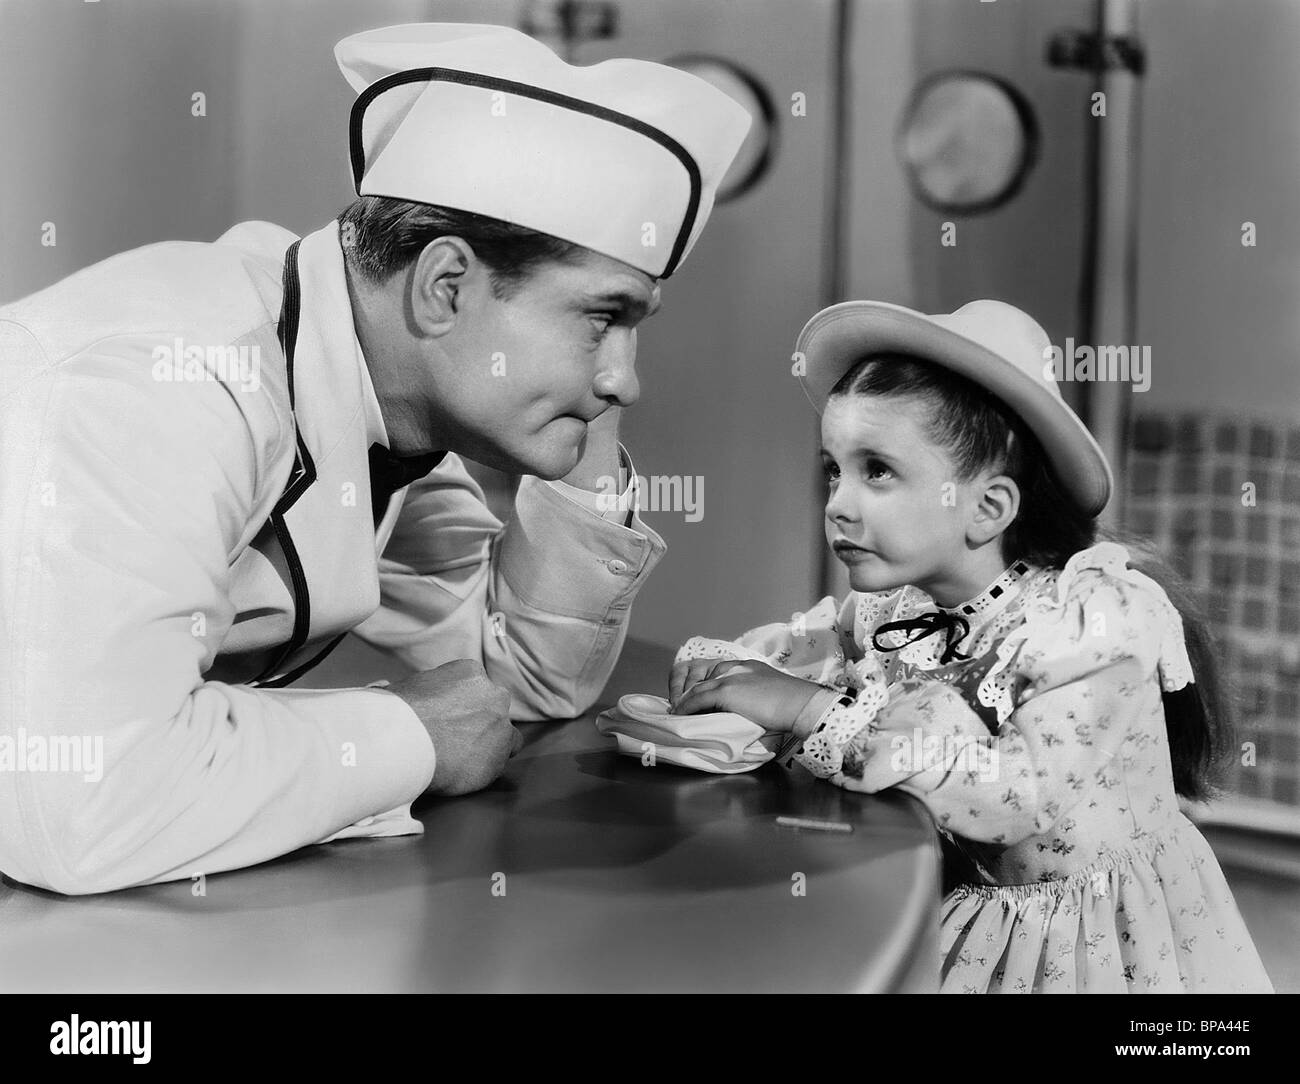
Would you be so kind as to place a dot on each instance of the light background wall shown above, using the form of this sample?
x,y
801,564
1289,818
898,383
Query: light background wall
x,y
1221,146
107,149
98,137
719,401
1026,252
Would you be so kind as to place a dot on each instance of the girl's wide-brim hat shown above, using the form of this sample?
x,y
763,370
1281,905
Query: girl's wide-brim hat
x,y
989,342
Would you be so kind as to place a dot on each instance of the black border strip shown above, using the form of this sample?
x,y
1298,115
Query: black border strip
x,y
304,467
302,477
488,82
298,671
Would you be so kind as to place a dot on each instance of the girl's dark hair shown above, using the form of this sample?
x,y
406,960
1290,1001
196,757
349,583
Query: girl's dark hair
x,y
382,236
980,432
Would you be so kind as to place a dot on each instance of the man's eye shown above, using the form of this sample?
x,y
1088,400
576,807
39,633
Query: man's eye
x,y
601,321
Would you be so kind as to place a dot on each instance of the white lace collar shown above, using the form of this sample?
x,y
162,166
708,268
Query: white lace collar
x,y
983,606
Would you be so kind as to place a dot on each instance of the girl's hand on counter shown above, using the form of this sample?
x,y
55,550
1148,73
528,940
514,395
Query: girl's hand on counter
x,y
759,692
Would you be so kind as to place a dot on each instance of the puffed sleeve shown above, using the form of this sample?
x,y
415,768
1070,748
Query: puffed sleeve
x,y
1079,664
816,645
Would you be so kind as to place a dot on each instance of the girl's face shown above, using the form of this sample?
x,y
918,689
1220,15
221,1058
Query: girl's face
x,y
897,513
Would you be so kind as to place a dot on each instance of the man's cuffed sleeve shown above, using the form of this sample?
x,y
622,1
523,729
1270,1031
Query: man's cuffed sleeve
x,y
543,601
609,503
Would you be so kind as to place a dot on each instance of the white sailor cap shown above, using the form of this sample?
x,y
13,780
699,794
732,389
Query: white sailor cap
x,y
622,157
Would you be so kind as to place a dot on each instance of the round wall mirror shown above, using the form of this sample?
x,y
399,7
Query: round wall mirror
x,y
755,155
968,140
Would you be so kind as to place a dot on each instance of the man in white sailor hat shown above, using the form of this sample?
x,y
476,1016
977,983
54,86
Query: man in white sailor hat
x,y
217,459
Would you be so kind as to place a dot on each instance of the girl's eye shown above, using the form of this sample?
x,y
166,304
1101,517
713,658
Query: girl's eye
x,y
875,467
830,471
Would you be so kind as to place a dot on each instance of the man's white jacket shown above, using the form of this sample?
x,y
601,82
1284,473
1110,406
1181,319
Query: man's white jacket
x,y
142,589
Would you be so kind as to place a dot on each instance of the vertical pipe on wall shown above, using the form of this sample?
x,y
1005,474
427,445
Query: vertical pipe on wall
x,y
837,212
835,268
1109,281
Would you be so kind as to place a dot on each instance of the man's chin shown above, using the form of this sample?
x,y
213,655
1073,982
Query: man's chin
x,y
548,473
548,465
557,458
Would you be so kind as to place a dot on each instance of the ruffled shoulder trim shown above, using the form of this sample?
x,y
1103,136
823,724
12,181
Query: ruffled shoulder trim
x,y
1108,557
1044,612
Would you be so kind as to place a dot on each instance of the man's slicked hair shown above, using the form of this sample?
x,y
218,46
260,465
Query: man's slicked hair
x,y
382,236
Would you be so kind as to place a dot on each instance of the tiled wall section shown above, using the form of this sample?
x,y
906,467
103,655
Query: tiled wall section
x,y
1187,487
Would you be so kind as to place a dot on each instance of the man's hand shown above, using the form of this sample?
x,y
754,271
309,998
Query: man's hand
x,y
468,719
759,692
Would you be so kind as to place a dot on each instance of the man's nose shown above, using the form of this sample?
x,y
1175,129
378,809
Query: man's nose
x,y
616,381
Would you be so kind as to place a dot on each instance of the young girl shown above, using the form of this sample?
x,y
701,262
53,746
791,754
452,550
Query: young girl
x,y
995,659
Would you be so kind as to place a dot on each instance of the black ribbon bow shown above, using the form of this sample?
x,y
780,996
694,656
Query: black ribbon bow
x,y
389,473
954,626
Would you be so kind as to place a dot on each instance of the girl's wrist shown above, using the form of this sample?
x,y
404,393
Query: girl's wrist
x,y
820,701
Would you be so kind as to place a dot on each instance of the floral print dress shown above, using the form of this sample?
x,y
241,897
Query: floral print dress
x,y
1037,740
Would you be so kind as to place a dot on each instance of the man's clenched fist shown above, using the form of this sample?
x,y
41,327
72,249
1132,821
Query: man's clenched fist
x,y
468,719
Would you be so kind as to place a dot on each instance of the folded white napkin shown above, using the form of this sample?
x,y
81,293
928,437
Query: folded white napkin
x,y
717,741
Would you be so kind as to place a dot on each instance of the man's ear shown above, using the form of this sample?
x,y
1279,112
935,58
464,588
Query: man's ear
x,y
995,510
437,283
